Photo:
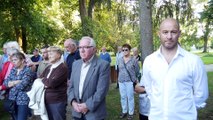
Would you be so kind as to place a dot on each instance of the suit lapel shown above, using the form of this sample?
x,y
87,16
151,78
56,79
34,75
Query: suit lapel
x,y
90,73
78,73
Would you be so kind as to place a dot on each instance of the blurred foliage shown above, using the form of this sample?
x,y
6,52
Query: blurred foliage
x,y
113,23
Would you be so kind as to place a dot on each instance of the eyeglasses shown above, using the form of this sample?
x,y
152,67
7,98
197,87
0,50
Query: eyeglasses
x,y
125,49
84,47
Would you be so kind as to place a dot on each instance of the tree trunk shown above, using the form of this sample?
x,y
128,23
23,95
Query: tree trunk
x,y
85,18
24,38
90,8
205,38
83,14
146,28
82,9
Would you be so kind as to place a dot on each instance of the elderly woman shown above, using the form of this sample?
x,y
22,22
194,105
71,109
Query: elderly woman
x,y
128,67
7,67
55,81
19,82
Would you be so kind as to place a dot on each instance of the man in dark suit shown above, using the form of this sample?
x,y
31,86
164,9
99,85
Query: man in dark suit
x,y
89,83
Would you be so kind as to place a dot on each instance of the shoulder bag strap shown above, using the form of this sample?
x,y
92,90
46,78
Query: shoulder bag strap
x,y
128,72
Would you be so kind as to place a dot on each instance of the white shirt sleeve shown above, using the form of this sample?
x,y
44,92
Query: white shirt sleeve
x,y
200,86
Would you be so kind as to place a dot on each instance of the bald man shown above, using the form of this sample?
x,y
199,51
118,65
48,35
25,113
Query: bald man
x,y
174,79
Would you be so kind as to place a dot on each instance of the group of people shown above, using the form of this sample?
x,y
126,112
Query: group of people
x,y
173,83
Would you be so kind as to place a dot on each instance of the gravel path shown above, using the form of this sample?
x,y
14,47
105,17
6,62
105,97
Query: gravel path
x,y
209,67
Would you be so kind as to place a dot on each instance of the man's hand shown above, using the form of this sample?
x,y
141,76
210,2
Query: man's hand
x,y
83,108
75,106
139,89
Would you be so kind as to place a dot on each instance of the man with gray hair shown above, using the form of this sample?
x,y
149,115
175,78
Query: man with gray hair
x,y
89,83
73,54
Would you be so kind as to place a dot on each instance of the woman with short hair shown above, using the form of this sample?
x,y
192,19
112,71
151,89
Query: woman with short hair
x,y
19,81
55,82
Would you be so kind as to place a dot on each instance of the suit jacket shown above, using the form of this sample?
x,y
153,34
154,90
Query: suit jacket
x,y
95,88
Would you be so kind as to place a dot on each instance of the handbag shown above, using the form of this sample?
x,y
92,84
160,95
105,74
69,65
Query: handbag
x,y
10,105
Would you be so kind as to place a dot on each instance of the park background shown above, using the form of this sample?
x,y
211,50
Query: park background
x,y
34,23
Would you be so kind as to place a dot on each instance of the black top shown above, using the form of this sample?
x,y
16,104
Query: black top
x,y
70,59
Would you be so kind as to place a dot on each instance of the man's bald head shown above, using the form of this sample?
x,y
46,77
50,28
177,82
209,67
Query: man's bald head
x,y
170,20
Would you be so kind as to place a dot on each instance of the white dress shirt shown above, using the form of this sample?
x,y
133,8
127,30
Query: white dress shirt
x,y
175,89
84,70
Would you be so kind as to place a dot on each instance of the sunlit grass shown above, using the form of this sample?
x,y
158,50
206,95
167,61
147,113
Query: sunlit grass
x,y
207,112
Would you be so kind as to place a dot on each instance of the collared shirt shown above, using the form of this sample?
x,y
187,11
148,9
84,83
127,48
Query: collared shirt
x,y
132,67
84,70
175,89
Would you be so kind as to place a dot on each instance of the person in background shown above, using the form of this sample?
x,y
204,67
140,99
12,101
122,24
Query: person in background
x,y
14,44
71,48
54,78
119,55
89,83
45,62
175,79
105,55
19,82
128,67
4,57
138,58
144,102
6,71
136,54
65,55
36,58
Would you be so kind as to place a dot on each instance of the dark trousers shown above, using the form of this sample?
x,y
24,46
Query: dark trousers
x,y
117,77
22,112
56,111
143,117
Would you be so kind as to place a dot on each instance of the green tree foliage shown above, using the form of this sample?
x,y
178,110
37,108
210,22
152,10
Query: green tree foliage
x,y
86,9
111,22
109,32
25,22
180,10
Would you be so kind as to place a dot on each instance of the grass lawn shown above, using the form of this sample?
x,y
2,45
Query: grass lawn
x,y
207,112
206,57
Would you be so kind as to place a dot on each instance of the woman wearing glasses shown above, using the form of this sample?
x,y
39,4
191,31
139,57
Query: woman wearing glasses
x,y
19,82
128,67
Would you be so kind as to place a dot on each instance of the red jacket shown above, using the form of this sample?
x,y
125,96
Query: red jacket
x,y
3,74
